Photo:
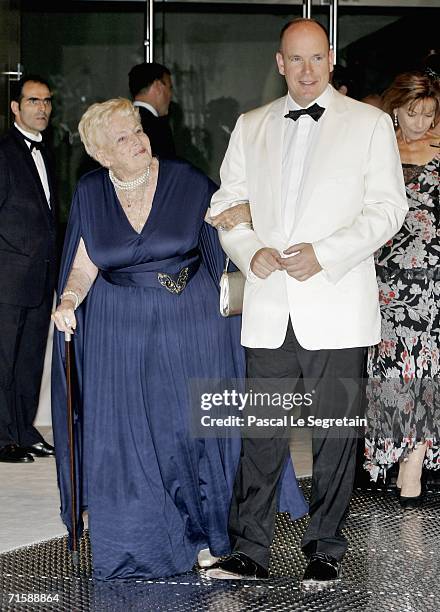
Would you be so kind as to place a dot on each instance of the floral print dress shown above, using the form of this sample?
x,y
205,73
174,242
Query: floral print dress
x,y
403,398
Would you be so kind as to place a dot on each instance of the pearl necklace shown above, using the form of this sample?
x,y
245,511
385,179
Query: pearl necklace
x,y
130,185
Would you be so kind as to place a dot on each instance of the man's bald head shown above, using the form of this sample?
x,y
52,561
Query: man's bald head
x,y
303,21
305,59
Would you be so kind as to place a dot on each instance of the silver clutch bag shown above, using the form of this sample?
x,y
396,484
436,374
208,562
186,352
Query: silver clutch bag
x,y
231,292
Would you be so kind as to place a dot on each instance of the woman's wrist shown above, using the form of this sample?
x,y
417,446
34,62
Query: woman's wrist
x,y
70,296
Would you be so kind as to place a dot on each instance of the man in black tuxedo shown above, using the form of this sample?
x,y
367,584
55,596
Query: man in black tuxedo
x,y
151,89
27,268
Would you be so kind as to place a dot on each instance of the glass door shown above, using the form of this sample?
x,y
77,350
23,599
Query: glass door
x,y
10,67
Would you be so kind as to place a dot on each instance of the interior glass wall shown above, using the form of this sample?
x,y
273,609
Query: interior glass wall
x,y
221,58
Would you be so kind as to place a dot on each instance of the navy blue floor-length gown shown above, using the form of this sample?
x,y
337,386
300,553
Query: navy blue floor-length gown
x,y
155,494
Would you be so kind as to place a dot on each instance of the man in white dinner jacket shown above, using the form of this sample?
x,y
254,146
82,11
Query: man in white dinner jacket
x,y
322,175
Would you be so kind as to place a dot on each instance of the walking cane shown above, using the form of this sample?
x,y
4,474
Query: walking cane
x,y
67,344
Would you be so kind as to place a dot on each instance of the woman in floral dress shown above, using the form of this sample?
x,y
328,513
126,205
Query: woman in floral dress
x,y
403,400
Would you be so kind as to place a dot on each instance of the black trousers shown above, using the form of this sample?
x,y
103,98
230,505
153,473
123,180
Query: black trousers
x,y
254,503
23,340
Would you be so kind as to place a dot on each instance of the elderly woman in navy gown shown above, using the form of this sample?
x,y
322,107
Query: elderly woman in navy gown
x,y
139,288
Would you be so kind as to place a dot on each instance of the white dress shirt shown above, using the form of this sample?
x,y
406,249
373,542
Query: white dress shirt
x,y
147,106
298,139
38,160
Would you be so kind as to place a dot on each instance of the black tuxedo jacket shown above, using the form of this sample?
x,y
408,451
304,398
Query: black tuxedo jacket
x,y
159,132
27,225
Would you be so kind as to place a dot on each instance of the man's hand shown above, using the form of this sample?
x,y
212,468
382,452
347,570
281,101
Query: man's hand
x,y
265,261
303,263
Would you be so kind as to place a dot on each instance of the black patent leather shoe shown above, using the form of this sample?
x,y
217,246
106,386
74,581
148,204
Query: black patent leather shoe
x,y
41,449
322,568
15,454
237,566
411,502
417,500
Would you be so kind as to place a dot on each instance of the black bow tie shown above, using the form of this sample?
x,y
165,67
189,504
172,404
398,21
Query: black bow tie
x,y
315,111
34,143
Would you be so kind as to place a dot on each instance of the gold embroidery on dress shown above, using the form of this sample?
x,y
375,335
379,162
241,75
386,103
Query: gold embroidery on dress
x,y
174,286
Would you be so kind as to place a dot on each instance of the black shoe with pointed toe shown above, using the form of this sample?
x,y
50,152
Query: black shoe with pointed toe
x,y
411,502
417,500
322,568
15,454
237,566
40,449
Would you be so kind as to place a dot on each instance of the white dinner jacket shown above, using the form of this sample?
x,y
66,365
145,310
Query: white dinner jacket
x,y
352,201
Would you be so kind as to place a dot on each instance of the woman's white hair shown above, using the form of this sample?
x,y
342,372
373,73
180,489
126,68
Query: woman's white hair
x,y
93,124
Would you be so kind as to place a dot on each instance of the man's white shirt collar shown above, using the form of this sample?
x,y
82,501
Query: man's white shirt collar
x,y
38,160
147,106
36,137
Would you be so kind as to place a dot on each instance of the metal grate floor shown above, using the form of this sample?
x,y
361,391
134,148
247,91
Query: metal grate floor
x,y
391,565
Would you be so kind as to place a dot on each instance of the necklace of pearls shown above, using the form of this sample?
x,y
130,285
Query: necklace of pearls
x,y
130,185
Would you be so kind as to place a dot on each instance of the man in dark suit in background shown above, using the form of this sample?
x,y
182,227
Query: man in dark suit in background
x,y
151,89
27,268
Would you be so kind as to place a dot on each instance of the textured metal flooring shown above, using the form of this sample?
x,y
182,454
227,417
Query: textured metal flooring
x,y
391,565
